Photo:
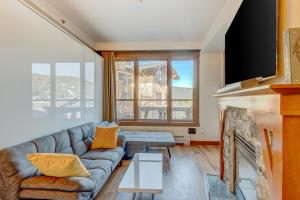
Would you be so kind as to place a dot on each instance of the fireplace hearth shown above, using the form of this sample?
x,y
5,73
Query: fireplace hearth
x,y
245,169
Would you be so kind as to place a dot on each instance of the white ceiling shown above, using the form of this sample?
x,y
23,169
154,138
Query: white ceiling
x,y
123,21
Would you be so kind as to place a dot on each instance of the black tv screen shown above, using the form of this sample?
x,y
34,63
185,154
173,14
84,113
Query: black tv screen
x,y
250,42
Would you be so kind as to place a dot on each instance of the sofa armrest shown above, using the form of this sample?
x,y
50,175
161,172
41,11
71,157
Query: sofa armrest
x,y
2,188
121,142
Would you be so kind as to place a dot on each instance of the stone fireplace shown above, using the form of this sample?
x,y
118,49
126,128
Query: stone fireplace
x,y
244,167
268,117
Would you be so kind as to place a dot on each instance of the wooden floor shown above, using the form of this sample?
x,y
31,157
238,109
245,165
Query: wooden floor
x,y
183,175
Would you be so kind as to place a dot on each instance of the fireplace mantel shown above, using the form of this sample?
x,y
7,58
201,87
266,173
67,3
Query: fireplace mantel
x,y
276,110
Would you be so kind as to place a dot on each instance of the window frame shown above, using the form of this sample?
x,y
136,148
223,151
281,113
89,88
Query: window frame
x,y
168,56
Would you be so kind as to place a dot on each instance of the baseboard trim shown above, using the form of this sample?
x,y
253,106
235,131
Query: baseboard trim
x,y
193,142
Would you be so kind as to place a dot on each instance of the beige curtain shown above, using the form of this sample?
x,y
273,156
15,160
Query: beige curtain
x,y
109,87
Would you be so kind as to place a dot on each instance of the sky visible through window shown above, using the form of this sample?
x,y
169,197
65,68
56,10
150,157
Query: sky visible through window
x,y
68,69
41,68
184,69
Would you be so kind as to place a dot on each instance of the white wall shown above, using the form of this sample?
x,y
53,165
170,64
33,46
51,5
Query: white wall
x,y
210,81
27,38
47,9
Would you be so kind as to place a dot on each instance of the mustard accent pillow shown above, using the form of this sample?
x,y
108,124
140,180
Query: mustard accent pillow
x,y
58,165
105,137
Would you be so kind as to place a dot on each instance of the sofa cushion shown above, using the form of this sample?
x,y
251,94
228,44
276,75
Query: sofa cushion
x,y
71,184
106,154
63,143
81,138
106,165
103,123
119,150
99,177
55,195
88,129
45,144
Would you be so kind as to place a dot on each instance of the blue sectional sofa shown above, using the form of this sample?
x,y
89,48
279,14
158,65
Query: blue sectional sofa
x,y
19,179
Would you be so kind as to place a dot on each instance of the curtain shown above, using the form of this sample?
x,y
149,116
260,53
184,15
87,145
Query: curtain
x,y
109,87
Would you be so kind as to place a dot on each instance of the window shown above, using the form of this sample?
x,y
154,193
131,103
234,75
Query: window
x,y
67,76
41,87
67,85
124,90
89,84
65,90
152,84
157,88
182,89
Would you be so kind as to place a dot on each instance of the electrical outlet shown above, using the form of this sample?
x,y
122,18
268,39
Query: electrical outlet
x,y
192,130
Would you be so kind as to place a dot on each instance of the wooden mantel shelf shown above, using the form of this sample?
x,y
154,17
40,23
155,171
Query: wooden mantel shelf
x,y
275,109
263,90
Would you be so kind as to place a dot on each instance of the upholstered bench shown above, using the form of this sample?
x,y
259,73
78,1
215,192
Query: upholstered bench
x,y
141,141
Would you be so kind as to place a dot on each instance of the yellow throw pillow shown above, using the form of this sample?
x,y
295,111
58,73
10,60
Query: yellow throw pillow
x,y
58,165
105,137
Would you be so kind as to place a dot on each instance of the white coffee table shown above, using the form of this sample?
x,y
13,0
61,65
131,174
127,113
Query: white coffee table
x,y
144,174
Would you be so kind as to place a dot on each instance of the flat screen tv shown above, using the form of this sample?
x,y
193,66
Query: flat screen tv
x,y
250,42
